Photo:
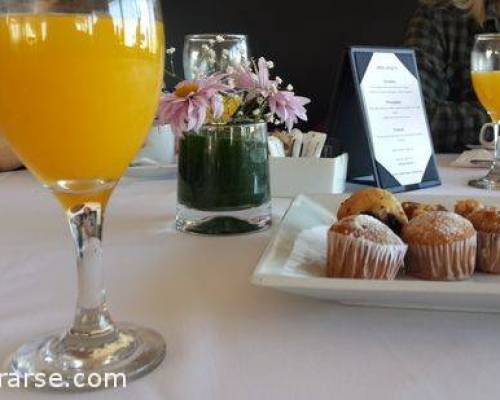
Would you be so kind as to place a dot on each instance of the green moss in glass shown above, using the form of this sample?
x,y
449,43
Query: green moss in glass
x,y
224,168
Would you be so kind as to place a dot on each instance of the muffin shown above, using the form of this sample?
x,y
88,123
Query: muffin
x,y
441,246
377,203
487,224
362,247
467,207
413,209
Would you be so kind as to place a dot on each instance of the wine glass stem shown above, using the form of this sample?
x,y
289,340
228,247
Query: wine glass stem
x,y
497,142
92,316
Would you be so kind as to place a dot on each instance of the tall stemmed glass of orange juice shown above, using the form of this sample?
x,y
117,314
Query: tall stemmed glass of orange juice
x,y
485,66
80,86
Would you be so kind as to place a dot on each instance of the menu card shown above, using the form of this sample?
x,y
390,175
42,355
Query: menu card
x,y
394,132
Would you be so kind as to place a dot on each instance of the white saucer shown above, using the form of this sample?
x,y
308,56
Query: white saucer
x,y
479,146
152,171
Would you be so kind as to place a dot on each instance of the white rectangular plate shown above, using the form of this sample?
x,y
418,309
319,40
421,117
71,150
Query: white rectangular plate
x,y
481,293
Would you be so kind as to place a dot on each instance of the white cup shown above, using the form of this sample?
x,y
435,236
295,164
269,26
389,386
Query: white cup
x,y
159,146
489,144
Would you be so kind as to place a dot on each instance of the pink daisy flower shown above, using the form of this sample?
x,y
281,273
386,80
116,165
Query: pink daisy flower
x,y
186,108
256,83
288,107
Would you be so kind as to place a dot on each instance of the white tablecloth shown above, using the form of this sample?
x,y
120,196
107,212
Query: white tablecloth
x,y
227,339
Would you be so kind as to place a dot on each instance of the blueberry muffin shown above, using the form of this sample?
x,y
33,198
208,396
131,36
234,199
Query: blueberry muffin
x,y
441,246
377,203
362,247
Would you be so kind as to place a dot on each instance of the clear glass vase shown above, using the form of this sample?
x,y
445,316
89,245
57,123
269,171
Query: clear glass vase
x,y
223,180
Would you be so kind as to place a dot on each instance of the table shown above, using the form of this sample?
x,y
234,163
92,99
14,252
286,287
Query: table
x,y
227,339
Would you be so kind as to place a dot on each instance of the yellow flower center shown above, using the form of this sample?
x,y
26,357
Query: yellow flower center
x,y
186,89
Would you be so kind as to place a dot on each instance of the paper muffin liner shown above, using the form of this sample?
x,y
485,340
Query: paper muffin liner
x,y
446,262
357,258
488,252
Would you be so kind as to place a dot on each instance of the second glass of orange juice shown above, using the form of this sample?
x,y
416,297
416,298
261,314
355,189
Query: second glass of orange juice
x,y
485,66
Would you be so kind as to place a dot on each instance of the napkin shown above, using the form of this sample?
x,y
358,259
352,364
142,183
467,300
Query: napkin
x,y
466,158
308,256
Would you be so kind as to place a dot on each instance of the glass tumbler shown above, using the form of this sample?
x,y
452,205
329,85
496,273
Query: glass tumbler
x,y
205,54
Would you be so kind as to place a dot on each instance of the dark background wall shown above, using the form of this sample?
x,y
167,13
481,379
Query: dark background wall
x,y
305,38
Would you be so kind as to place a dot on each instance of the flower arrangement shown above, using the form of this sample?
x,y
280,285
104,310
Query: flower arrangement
x,y
241,94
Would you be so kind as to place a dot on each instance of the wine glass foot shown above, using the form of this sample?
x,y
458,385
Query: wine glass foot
x,y
489,182
66,363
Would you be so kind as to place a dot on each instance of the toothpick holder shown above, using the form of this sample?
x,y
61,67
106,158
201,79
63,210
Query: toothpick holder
x,y
293,176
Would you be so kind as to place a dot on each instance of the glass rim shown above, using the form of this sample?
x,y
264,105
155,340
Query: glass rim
x,y
234,124
208,36
486,36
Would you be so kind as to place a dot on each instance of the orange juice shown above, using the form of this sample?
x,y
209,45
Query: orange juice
x,y
487,87
78,96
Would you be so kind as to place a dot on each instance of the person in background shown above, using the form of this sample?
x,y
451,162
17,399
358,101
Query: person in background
x,y
442,34
8,160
